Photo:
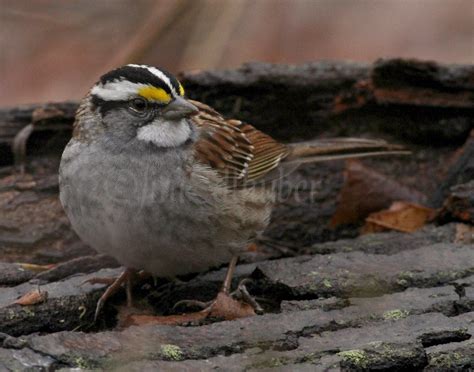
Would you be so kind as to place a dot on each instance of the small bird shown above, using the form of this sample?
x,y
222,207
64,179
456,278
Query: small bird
x,y
167,185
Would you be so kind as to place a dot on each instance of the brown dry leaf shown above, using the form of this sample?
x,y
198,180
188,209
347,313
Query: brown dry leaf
x,y
36,268
365,191
252,247
464,234
227,308
401,216
32,298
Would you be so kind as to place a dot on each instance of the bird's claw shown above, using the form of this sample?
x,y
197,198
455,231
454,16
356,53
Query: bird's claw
x,y
243,294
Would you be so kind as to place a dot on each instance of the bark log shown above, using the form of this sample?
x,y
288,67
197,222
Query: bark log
x,y
412,293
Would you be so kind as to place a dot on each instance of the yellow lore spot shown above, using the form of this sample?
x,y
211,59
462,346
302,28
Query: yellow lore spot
x,y
154,93
181,90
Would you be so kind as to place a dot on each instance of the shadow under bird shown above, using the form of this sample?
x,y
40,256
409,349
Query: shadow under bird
x,y
167,185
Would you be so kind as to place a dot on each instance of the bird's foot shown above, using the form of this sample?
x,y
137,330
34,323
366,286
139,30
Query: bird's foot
x,y
222,307
226,305
127,277
242,293
228,308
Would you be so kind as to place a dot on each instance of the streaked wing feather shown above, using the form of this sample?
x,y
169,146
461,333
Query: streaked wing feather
x,y
267,152
238,151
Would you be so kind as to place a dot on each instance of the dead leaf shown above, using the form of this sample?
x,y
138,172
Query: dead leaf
x,y
224,307
401,216
229,309
36,268
365,191
128,316
252,247
32,298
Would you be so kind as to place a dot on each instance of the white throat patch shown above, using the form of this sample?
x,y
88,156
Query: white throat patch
x,y
164,133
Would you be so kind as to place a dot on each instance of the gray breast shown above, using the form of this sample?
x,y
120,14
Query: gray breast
x,y
152,210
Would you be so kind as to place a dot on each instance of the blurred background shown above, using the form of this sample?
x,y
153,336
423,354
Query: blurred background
x,y
55,49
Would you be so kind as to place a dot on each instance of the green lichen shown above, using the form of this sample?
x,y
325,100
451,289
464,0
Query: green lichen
x,y
402,283
310,357
448,275
313,288
357,358
81,362
11,314
395,314
28,312
276,362
448,360
327,283
171,352
405,278
378,355
388,351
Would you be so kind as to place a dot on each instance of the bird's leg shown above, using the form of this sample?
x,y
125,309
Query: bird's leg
x,y
126,277
225,288
224,305
229,274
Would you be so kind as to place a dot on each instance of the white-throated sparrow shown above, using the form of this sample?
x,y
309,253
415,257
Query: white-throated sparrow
x,y
167,185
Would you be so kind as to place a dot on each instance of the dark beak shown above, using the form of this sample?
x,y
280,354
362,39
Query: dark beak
x,y
179,108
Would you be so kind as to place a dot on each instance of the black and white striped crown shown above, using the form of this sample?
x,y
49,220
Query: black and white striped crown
x,y
131,80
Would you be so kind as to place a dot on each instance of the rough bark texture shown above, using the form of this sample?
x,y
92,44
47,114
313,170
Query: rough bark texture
x,y
334,300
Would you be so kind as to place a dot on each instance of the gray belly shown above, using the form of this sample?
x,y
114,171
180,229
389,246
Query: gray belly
x,y
151,213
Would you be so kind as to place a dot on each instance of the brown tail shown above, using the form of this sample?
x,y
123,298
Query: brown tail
x,y
340,148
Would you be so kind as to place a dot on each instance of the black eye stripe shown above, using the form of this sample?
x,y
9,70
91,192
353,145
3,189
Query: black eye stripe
x,y
105,106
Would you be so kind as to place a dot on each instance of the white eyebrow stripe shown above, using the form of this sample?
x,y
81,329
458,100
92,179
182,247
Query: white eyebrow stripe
x,y
158,74
117,90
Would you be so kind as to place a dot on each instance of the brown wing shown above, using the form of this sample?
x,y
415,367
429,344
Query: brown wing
x,y
238,151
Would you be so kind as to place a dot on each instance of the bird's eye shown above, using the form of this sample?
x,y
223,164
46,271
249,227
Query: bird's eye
x,y
138,105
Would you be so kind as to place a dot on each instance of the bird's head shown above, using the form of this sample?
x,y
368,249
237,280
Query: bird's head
x,y
143,101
